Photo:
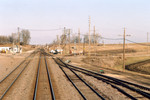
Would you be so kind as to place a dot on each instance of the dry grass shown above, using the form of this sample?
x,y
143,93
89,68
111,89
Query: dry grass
x,y
110,55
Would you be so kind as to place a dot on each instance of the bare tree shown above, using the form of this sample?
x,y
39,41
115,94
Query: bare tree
x,y
14,37
5,39
75,39
63,39
97,38
25,36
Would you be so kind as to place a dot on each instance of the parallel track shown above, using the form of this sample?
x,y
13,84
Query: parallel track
x,y
115,83
7,82
84,89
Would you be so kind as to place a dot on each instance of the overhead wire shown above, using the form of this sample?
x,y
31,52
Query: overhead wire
x,y
43,29
136,42
89,35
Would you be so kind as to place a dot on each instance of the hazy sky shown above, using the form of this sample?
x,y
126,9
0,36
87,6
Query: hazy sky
x,y
109,17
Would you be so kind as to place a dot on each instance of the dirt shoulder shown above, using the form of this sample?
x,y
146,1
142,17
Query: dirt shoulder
x,y
9,61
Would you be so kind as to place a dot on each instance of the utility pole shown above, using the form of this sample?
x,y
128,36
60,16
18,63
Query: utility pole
x,y
124,49
95,41
18,40
79,35
124,38
89,37
147,42
94,35
65,40
58,42
69,42
13,43
78,41
75,49
83,45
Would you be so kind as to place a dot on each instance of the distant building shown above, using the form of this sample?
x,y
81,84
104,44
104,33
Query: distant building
x,y
13,49
4,49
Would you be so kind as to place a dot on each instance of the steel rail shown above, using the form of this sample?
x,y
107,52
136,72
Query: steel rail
x,y
50,82
15,69
15,78
86,83
73,84
12,71
122,84
37,78
108,82
70,80
13,82
145,94
133,84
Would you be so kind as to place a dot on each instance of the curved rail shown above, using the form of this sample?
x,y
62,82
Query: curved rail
x,y
81,80
113,80
73,84
145,94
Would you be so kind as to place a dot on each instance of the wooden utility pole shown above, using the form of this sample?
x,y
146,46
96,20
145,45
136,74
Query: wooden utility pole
x,y
13,42
94,35
94,41
75,49
18,40
69,42
124,38
58,42
124,49
89,37
64,40
147,43
83,45
78,50
79,35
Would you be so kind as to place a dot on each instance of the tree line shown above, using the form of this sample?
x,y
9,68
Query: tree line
x,y
14,38
95,38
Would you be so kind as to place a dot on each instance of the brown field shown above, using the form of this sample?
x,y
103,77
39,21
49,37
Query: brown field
x,y
110,55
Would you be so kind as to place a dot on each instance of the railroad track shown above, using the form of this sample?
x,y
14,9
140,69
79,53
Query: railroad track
x,y
131,90
85,90
43,86
7,82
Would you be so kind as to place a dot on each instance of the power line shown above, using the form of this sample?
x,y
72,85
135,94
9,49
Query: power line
x,y
112,38
116,39
103,37
137,42
43,29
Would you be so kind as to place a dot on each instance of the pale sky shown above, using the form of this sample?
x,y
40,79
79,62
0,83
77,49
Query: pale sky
x,y
108,16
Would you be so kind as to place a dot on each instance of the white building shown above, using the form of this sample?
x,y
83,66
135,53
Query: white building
x,y
14,49
4,49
